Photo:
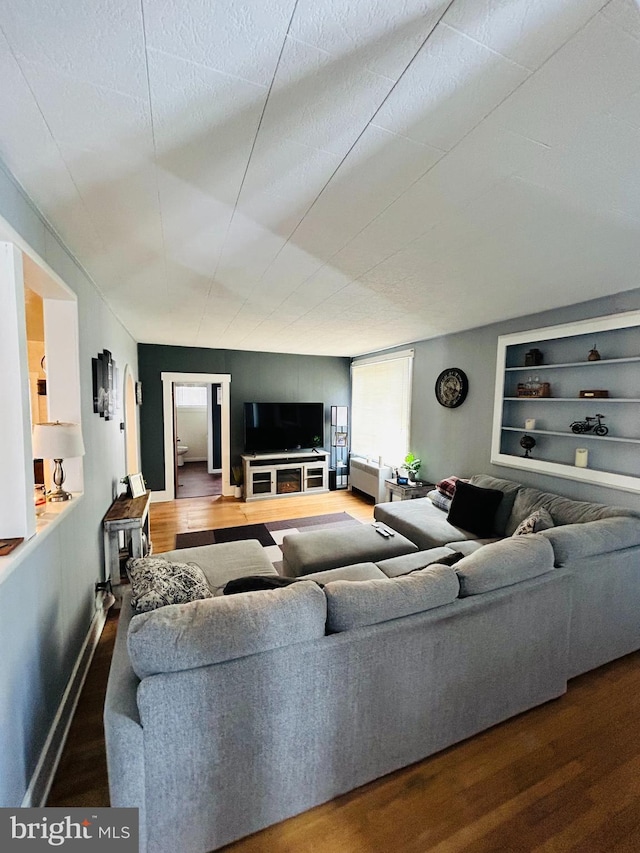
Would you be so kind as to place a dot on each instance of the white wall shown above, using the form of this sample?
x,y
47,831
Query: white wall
x,y
47,603
192,431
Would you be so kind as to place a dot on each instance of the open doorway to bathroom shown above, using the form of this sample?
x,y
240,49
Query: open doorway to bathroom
x,y
197,418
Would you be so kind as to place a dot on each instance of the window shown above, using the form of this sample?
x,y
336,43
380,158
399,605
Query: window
x,y
381,406
191,396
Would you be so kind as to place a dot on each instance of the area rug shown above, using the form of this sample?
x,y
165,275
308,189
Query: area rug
x,y
269,535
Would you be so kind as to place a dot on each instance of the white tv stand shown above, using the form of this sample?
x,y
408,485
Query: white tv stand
x,y
280,475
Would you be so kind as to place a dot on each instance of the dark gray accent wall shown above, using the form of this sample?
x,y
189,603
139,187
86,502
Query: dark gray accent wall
x,y
458,441
255,377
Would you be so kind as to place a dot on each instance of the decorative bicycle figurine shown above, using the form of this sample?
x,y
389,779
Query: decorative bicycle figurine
x,y
590,423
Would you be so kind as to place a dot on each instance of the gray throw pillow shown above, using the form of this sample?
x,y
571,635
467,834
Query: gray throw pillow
x,y
156,583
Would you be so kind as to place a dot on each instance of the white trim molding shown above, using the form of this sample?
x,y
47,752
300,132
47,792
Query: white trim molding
x,y
168,380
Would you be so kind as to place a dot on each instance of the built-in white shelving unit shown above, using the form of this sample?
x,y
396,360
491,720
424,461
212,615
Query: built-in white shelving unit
x,y
613,459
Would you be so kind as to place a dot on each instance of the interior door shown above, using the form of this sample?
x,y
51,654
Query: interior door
x,y
176,485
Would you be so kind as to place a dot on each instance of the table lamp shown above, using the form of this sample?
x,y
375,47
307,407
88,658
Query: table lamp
x,y
57,441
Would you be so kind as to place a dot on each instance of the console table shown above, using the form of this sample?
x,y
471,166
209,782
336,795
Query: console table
x,y
406,493
130,516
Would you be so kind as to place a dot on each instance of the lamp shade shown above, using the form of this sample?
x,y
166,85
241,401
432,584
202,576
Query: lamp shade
x,y
57,441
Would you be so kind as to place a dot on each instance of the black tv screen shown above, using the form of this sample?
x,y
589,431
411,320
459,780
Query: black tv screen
x,y
282,426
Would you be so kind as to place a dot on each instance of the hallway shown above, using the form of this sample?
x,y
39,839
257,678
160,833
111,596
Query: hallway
x,y
195,482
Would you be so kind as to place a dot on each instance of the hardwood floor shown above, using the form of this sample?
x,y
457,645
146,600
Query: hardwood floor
x,y
561,777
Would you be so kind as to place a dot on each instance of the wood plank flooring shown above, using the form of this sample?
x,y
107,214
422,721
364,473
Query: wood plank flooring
x,y
561,777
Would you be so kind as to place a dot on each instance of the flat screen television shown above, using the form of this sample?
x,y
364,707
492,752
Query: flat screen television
x,y
274,427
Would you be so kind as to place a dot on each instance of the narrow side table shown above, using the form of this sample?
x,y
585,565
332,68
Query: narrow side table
x,y
130,515
406,493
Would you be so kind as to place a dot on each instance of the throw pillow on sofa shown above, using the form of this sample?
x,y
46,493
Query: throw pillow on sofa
x,y
156,583
539,520
447,486
474,508
439,500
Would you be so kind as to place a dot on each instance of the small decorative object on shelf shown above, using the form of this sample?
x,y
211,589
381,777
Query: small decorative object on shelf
x,y
582,457
589,424
40,499
595,392
533,357
594,355
530,423
527,442
534,388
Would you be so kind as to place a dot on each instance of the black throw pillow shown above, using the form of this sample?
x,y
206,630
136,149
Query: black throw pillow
x,y
450,559
474,509
253,583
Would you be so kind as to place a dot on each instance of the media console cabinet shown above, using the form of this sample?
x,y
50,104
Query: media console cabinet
x,y
271,475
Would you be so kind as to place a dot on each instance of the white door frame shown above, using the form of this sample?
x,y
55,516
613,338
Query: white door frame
x,y
168,380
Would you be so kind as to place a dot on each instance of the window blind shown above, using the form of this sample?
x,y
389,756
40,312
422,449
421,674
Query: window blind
x,y
191,395
381,407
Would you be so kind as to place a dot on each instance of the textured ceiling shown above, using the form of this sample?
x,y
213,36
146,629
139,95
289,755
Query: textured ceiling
x,y
330,177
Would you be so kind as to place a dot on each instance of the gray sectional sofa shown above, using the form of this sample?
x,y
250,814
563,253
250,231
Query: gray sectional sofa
x,y
230,713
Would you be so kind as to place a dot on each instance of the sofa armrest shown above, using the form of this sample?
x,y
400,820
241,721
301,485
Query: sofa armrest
x,y
573,541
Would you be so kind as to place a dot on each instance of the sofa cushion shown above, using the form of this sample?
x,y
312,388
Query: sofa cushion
x,y
354,572
187,636
224,561
353,605
396,566
509,490
504,563
468,546
574,541
540,519
474,508
563,510
420,521
253,583
158,583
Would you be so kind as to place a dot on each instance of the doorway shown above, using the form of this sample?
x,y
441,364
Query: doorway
x,y
197,429
169,380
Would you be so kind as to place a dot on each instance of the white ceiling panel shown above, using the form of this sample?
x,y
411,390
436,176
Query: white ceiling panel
x,y
590,74
257,174
239,39
453,83
526,32
100,41
384,35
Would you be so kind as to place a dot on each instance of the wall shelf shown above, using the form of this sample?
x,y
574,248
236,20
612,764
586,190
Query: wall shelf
x,y
614,460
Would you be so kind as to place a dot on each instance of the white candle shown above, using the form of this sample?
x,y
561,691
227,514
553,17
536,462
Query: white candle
x,y
582,457
530,423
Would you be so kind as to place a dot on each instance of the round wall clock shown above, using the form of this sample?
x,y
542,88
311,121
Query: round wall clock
x,y
451,387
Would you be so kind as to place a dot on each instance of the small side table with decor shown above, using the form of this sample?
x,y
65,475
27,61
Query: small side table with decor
x,y
129,516
419,489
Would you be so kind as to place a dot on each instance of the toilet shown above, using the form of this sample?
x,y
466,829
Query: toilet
x,y
181,449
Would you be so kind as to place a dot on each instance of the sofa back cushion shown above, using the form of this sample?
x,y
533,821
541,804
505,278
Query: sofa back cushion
x,y
504,563
186,636
509,490
353,604
575,541
563,510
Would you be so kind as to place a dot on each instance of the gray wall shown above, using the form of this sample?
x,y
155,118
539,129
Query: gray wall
x,y
255,377
458,441
47,603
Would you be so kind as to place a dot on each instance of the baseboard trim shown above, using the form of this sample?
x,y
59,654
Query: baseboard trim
x,y
43,776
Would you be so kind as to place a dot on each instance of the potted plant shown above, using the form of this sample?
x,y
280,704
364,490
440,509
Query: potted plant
x,y
412,465
238,479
